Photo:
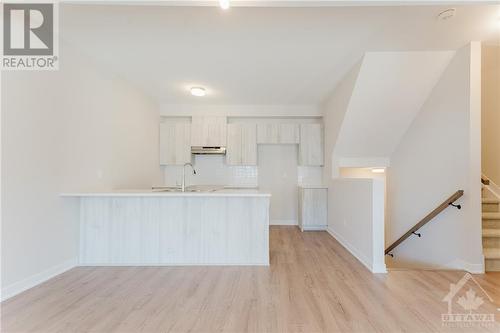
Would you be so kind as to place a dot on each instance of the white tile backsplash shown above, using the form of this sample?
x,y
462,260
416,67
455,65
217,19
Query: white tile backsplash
x,y
212,170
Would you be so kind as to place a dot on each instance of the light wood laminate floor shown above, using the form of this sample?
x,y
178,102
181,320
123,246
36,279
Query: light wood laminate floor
x,y
312,285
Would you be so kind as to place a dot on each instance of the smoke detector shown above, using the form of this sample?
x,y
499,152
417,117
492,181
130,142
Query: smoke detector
x,y
447,14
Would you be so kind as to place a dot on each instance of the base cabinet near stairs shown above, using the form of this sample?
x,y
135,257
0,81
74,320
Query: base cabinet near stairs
x,y
313,207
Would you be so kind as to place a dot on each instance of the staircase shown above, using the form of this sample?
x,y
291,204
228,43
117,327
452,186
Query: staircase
x,y
491,234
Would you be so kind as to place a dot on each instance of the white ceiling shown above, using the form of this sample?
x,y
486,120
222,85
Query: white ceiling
x,y
266,56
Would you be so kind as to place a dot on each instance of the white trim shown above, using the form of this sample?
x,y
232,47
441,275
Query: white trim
x,y
494,189
314,228
454,266
146,264
283,222
284,3
36,279
361,162
378,225
468,267
361,258
474,268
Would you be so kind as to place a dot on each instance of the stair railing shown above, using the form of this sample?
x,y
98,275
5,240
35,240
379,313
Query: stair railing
x,y
413,231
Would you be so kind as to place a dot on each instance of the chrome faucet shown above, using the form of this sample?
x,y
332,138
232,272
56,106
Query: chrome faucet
x,y
184,175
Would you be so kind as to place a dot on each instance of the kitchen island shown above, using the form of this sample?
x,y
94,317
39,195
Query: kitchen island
x,y
223,227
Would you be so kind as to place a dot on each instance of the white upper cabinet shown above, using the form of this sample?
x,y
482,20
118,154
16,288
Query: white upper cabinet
x,y
208,131
175,143
241,144
311,145
277,133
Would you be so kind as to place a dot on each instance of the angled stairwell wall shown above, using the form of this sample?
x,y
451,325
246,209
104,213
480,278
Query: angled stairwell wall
x,y
376,117
376,103
439,154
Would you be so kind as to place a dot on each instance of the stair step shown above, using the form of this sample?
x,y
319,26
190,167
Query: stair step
x,y
491,216
490,201
491,233
492,265
491,253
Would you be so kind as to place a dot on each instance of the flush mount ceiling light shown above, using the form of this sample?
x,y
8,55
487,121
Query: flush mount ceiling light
x,y
224,4
378,170
447,14
198,91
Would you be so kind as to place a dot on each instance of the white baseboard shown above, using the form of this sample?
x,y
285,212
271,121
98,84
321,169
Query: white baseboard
x,y
283,222
468,267
188,264
314,228
36,279
474,268
455,265
361,258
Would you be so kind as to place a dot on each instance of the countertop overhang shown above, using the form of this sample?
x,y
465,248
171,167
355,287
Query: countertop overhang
x,y
154,193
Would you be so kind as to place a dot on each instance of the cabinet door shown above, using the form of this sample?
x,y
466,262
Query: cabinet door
x,y
241,144
175,147
268,133
198,131
248,144
217,131
233,153
311,145
208,131
278,133
288,133
314,208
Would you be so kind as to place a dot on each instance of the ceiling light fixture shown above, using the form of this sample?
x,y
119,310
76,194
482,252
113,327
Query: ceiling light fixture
x,y
224,4
198,91
447,14
378,170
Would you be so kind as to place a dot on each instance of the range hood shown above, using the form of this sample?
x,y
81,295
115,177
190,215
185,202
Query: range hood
x,y
199,150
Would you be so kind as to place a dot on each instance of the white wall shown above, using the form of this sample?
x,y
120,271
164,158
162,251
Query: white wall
x,y
334,110
356,219
491,112
390,90
74,129
355,206
278,175
440,154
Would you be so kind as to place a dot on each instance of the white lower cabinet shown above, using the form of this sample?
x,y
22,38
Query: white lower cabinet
x,y
241,144
313,208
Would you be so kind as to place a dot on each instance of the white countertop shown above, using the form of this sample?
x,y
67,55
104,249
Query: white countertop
x,y
313,186
223,192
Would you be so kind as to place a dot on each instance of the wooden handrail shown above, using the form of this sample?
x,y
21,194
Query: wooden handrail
x,y
426,219
485,180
